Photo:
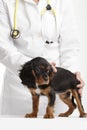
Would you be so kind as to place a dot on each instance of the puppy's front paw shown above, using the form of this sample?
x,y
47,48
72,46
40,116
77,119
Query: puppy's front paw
x,y
31,115
84,115
63,115
48,115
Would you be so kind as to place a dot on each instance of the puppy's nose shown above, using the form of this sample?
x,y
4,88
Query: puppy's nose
x,y
45,78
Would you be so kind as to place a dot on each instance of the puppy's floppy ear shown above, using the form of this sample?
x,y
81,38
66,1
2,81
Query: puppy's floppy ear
x,y
26,74
33,73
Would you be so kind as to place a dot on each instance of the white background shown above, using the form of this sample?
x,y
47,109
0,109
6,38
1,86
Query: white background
x,y
80,10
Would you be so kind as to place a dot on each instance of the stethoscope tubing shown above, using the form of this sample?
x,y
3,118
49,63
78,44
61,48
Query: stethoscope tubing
x,y
15,32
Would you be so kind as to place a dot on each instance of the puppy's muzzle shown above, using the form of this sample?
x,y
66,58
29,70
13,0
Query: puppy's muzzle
x,y
46,77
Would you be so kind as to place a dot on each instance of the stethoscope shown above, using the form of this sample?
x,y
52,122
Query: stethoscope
x,y
15,33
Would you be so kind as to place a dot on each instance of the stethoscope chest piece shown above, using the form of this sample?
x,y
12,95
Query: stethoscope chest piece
x,y
15,33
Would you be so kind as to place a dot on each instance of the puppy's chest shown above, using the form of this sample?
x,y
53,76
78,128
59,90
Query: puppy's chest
x,y
37,90
43,91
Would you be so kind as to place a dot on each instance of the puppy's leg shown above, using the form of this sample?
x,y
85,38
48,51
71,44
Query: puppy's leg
x,y
78,100
50,108
66,99
35,104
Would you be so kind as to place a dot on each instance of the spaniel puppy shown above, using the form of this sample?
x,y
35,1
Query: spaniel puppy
x,y
39,78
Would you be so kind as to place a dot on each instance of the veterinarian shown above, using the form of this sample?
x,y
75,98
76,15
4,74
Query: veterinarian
x,y
31,28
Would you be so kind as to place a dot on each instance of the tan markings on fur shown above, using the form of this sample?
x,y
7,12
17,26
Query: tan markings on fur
x,y
35,104
43,68
32,90
49,112
67,101
35,100
75,94
46,91
40,80
49,109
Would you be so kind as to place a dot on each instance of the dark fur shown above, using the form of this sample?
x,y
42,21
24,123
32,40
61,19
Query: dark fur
x,y
62,82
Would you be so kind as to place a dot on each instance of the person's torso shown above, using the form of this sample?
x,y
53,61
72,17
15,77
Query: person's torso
x,y
35,28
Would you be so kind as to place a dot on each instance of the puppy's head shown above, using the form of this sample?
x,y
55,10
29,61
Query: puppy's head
x,y
42,71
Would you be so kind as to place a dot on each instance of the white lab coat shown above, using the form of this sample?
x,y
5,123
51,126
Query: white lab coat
x,y
35,30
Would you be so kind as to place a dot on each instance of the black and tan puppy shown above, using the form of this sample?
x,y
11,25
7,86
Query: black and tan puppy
x,y
40,79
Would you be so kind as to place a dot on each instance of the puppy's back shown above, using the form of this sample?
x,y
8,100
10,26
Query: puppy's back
x,y
64,80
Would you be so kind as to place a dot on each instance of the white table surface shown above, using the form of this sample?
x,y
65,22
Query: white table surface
x,y
58,123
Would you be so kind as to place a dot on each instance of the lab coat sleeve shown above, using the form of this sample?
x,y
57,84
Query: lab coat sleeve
x,y
9,55
69,39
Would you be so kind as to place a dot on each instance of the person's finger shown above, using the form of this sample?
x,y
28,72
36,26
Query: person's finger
x,y
81,85
78,75
53,64
54,68
80,91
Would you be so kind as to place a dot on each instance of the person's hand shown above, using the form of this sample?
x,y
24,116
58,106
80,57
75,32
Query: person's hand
x,y
54,66
81,85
